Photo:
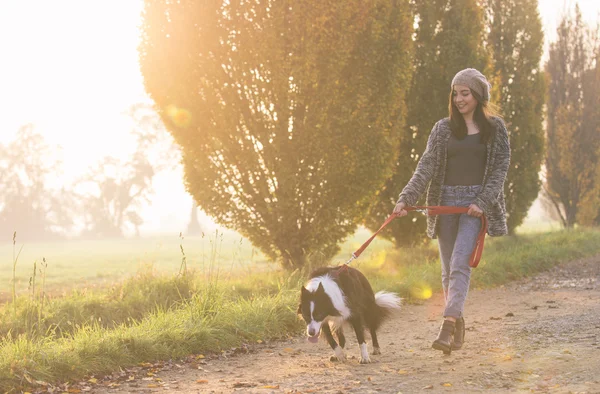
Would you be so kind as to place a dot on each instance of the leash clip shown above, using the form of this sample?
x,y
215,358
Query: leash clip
x,y
423,211
351,258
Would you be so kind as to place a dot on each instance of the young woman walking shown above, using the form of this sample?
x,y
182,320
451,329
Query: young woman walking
x,y
464,164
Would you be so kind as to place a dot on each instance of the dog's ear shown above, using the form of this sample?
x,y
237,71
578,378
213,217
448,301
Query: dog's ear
x,y
304,292
320,289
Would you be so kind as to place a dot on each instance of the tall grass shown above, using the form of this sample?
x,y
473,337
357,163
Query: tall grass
x,y
14,270
152,317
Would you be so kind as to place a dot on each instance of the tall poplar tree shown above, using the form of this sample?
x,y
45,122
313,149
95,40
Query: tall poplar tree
x,y
288,113
572,128
517,40
449,37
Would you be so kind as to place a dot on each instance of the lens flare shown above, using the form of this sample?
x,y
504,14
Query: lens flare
x,y
180,117
421,291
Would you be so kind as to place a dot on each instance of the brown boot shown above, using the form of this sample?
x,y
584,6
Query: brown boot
x,y
459,335
445,337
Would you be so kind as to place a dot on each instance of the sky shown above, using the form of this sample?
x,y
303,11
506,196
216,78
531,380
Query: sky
x,y
70,68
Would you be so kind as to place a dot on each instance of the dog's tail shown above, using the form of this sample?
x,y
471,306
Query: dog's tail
x,y
388,301
387,304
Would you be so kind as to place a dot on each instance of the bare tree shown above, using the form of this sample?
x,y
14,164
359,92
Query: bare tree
x,y
28,204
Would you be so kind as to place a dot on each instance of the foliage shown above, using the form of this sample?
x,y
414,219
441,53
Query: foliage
x,y
448,38
572,127
517,40
287,113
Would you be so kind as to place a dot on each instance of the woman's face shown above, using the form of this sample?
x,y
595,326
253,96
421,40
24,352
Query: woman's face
x,y
464,100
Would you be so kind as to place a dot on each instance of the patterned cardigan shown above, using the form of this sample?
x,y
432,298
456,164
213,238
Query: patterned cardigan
x,y
431,170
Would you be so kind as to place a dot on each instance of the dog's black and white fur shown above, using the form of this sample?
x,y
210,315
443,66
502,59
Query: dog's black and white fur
x,y
335,295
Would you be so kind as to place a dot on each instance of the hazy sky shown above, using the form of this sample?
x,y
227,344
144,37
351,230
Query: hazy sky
x,y
70,67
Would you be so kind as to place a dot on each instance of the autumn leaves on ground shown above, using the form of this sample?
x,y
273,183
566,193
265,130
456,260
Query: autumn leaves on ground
x,y
92,339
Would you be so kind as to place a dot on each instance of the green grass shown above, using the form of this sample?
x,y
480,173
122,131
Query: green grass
x,y
220,303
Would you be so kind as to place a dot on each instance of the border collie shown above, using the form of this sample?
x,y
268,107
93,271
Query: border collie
x,y
335,295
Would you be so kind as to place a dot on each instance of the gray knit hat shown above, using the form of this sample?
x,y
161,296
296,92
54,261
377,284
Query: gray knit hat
x,y
474,80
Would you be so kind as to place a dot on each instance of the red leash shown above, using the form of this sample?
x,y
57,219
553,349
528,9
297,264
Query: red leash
x,y
432,211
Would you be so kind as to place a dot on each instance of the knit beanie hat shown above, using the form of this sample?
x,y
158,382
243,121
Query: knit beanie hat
x,y
474,80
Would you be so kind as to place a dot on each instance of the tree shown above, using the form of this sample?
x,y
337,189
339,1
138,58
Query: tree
x,y
114,191
516,39
449,38
572,130
194,227
589,210
29,204
287,113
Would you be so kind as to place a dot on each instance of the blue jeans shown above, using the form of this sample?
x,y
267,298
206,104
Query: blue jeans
x,y
457,235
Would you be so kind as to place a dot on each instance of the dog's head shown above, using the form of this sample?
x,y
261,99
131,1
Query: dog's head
x,y
315,307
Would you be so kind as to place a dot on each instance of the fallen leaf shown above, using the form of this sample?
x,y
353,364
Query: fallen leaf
x,y
428,387
202,381
200,356
402,372
243,384
447,384
93,380
270,387
288,349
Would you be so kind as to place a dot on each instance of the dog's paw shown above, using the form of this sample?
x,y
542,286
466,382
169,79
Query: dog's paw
x,y
339,355
376,351
364,354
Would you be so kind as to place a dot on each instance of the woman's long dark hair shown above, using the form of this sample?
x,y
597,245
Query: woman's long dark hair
x,y
482,118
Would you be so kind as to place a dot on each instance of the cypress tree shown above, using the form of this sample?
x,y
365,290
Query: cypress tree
x,y
449,37
516,40
288,113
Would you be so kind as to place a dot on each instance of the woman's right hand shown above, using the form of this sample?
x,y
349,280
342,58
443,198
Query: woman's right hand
x,y
399,209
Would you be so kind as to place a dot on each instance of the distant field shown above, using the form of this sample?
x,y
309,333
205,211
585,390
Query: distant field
x,y
101,263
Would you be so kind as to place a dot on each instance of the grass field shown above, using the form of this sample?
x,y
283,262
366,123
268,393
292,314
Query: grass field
x,y
90,264
102,263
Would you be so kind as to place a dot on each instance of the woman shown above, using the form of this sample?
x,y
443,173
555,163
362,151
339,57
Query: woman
x,y
464,164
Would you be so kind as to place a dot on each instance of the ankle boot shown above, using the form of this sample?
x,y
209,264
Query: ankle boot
x,y
459,335
445,337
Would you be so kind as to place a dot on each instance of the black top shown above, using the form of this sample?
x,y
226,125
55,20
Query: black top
x,y
466,161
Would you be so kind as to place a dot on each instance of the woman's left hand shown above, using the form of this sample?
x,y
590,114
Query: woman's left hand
x,y
474,210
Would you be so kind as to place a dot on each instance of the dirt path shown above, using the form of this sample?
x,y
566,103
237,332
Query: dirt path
x,y
539,335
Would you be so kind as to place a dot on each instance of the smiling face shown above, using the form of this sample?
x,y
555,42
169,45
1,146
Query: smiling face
x,y
315,307
463,99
